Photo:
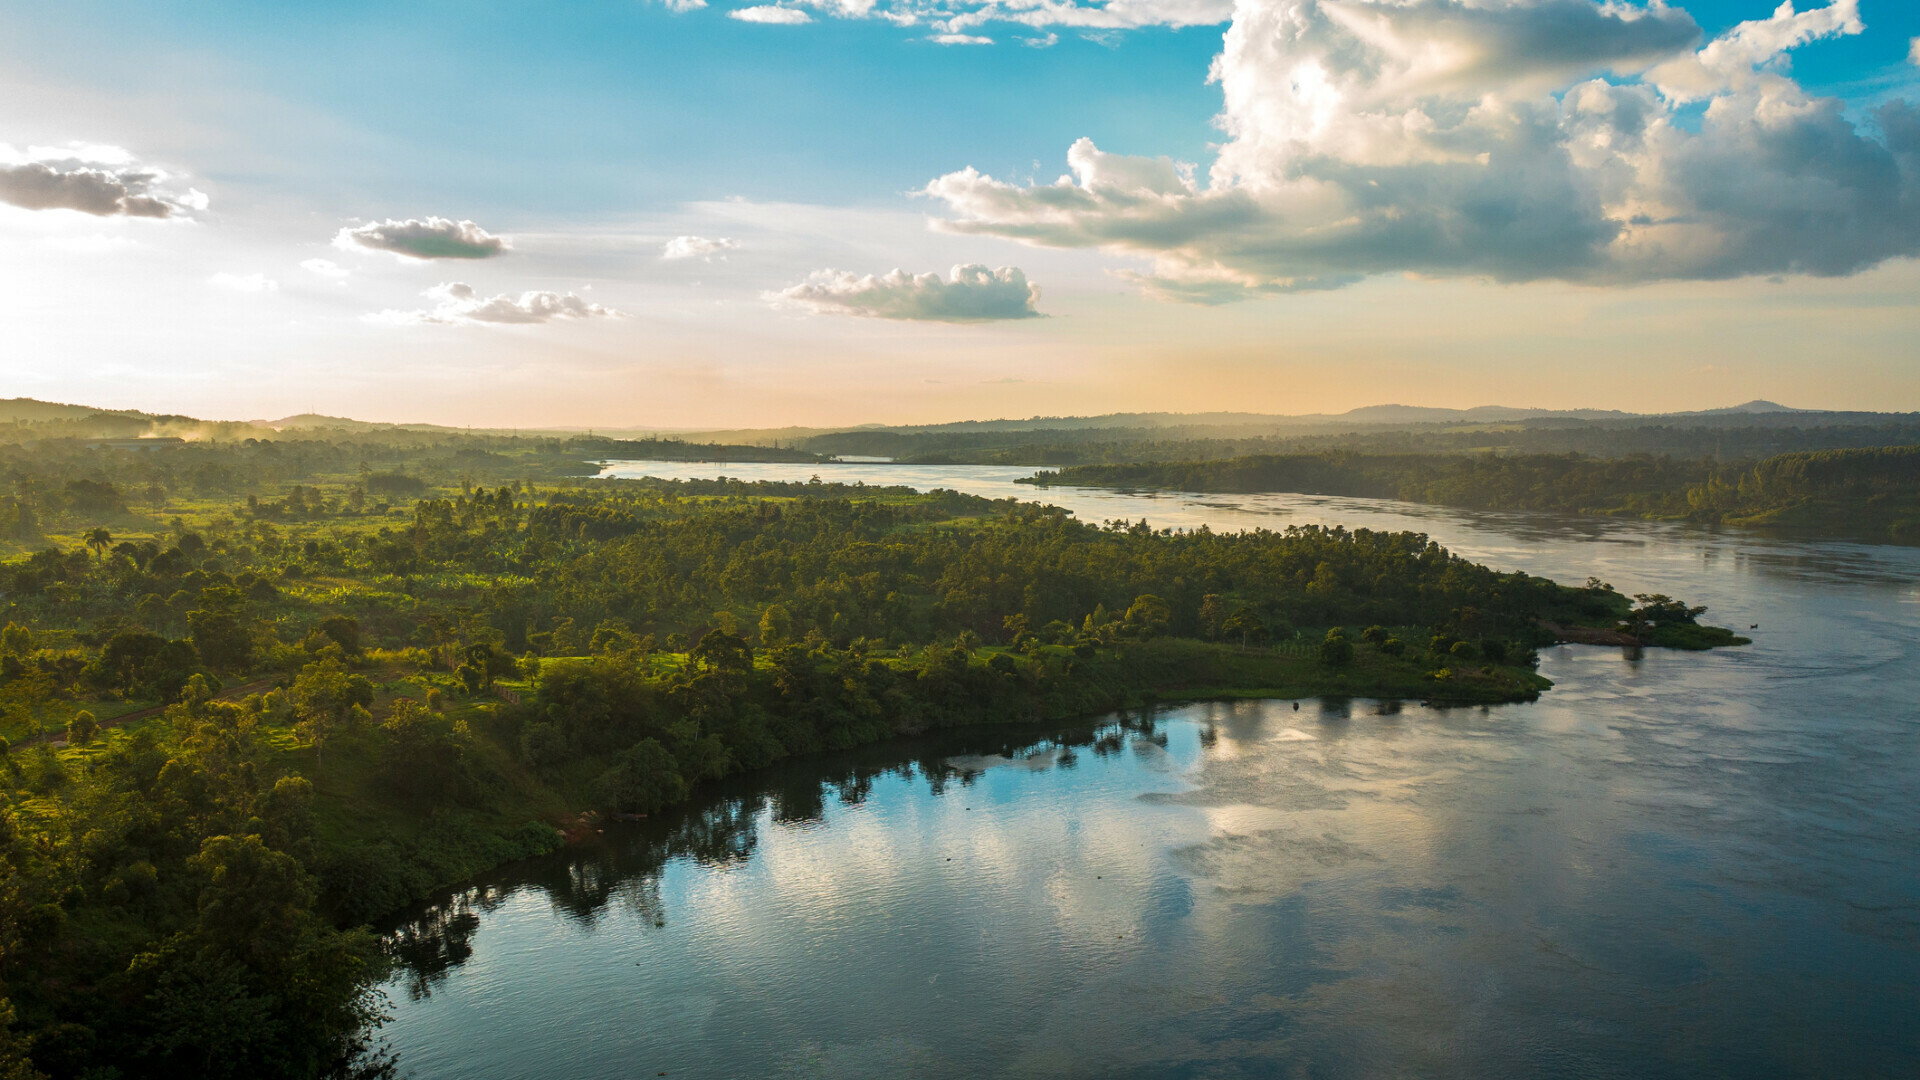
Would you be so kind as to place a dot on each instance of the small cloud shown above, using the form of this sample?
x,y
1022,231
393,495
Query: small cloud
x,y
256,284
423,238
681,7
959,39
1047,42
975,294
1913,52
104,181
457,302
772,14
695,247
325,268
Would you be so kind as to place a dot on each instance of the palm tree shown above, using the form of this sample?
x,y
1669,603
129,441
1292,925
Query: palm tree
x,y
99,539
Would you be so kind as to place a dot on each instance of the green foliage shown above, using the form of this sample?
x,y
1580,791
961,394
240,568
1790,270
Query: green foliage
x,y
1335,650
644,778
181,897
219,639
1870,490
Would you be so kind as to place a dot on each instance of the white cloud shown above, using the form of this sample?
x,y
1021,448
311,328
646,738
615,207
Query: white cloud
x,y
1519,140
953,21
256,284
1046,42
423,238
769,13
975,294
104,181
325,268
681,7
695,247
457,302
1913,52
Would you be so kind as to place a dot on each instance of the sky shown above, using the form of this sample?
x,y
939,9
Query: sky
x,y
692,214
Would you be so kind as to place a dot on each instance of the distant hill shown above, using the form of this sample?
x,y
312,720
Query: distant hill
x,y
1751,408
30,411
1243,424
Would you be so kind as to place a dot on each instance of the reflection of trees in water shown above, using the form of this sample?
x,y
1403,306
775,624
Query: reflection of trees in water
x,y
625,867
438,940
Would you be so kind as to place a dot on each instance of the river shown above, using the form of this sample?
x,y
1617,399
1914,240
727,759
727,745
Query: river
x,y
1678,864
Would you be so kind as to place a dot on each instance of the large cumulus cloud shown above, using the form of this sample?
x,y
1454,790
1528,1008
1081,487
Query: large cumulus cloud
x,y
423,238
458,302
103,181
1511,139
973,294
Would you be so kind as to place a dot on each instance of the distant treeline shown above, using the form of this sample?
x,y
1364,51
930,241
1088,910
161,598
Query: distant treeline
x,y
1868,491
1750,439
56,485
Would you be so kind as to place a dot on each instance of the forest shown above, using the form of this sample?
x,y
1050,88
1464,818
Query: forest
x,y
1871,492
257,696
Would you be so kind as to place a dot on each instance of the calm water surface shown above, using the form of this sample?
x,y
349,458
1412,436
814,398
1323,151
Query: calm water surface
x,y
1680,865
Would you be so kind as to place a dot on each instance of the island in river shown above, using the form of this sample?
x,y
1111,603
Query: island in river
x,y
423,690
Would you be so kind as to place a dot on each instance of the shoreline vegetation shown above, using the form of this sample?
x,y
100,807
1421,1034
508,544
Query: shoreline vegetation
x,y
259,694
1871,492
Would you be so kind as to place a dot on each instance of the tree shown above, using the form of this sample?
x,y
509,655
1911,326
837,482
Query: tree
x,y
1336,651
328,701
424,759
1244,623
343,630
14,1063
776,626
1659,609
613,638
719,650
16,640
82,728
148,665
220,639
1213,614
1148,616
644,778
99,539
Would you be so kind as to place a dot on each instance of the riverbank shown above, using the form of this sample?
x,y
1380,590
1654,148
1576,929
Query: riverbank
x,y
377,854
1870,493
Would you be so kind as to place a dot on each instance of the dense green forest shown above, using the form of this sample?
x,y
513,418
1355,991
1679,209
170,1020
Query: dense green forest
x,y
256,694
1870,492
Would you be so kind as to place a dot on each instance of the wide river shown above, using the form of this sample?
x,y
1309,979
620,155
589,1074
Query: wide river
x,y
1675,865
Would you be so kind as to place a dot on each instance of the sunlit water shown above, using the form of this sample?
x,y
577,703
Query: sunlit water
x,y
1679,865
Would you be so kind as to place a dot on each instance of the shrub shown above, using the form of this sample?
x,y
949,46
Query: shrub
x,y
1336,650
643,779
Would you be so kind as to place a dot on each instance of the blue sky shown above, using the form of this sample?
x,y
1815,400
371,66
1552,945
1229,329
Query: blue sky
x,y
588,135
